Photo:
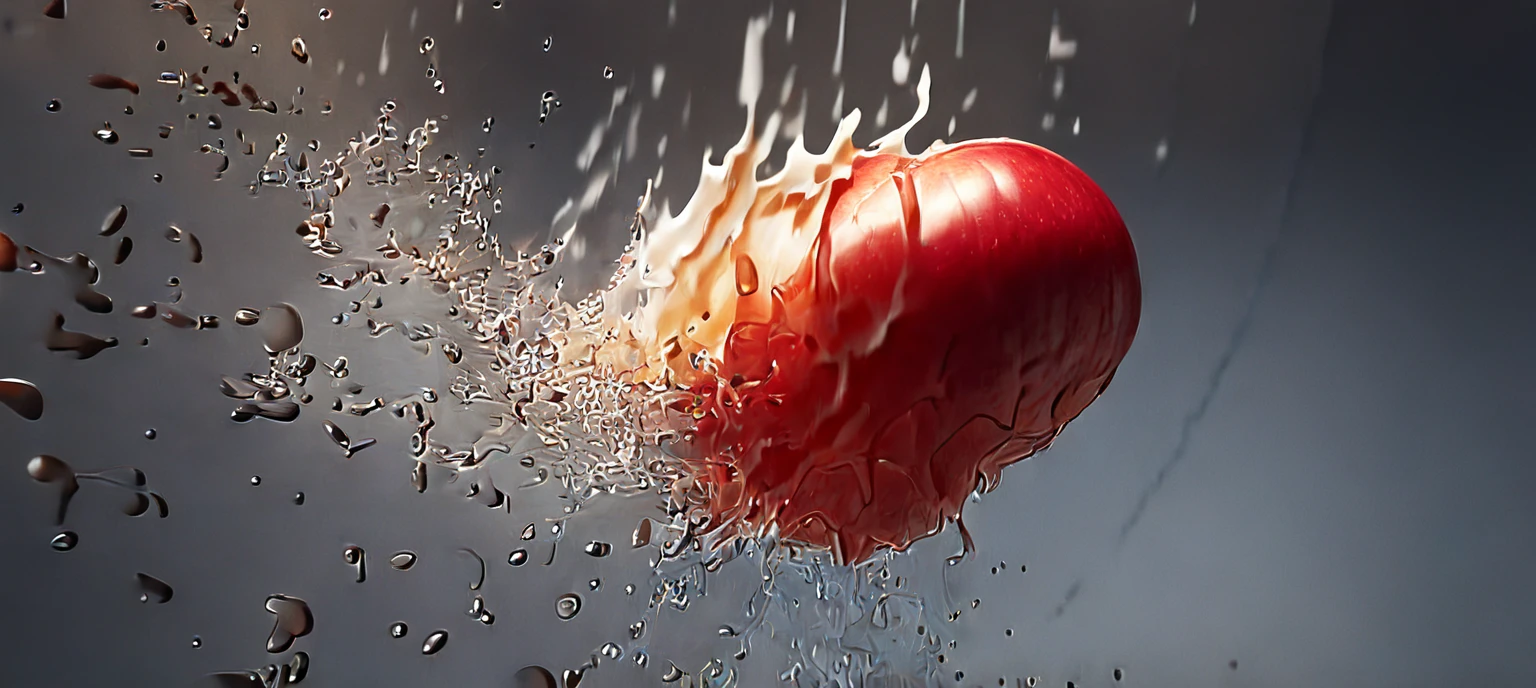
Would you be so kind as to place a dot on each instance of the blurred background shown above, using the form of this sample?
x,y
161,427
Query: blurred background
x,y
1312,469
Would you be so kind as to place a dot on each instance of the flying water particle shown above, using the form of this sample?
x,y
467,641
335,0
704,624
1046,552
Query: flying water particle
x,y
325,14
300,50
567,606
54,105
282,328
247,317
65,541
357,559
83,346
642,534
549,42
124,248
426,45
298,498
152,588
23,397
150,434
1161,153
434,642
533,677
518,557
112,81
197,642
255,480
607,74
106,135
1060,49
398,629
402,561
294,621
597,549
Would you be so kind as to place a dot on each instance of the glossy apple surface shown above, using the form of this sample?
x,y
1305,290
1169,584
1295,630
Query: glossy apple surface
x,y
958,309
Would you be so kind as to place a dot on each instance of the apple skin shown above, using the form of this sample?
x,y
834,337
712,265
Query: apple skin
x,y
958,310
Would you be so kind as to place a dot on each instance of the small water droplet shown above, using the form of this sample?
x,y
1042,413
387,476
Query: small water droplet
x,y
65,541
152,588
398,629
607,72
434,642
427,44
567,606
150,434
518,557
298,498
549,42
324,14
255,480
597,549
106,135
294,620
403,561
197,641
54,105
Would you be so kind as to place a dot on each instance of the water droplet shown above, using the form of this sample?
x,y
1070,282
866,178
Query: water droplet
x,y
298,498
300,50
160,45
527,533
294,620
22,397
247,316
255,480
495,4
150,434
197,642
597,549
427,45
549,42
324,14
403,561
487,124
152,588
106,135
54,105
355,557
281,328
65,541
518,557
607,72
642,534
533,677
595,584
567,606
434,642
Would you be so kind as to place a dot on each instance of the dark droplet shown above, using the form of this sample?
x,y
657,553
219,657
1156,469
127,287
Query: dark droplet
x,y
65,541
294,620
153,589
22,397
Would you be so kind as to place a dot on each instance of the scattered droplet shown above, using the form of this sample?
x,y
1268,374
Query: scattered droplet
x,y
22,397
294,620
398,629
54,105
325,14
642,534
434,642
255,480
153,589
518,557
549,42
533,677
197,642
298,498
357,559
65,541
150,434
124,248
403,561
106,135
607,72
299,50
281,328
247,317
427,44
597,549
112,81
567,606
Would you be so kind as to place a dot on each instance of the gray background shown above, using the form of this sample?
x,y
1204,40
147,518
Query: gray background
x,y
1312,468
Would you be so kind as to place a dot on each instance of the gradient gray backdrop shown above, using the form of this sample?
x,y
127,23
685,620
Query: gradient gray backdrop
x,y
1314,468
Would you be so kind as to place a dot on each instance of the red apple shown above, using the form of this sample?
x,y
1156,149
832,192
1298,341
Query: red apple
x,y
958,309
